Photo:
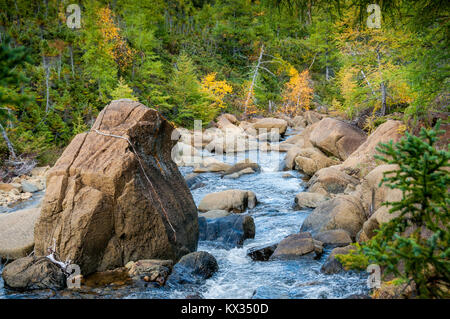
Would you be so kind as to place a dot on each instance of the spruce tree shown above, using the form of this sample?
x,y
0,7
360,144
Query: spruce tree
x,y
414,245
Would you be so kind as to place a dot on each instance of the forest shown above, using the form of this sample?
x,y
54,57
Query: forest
x,y
197,59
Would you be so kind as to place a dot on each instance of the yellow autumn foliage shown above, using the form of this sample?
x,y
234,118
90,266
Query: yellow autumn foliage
x,y
113,42
298,92
216,89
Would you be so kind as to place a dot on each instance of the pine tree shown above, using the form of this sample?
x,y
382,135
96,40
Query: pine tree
x,y
122,91
189,101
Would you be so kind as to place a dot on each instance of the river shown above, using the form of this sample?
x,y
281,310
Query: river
x,y
238,275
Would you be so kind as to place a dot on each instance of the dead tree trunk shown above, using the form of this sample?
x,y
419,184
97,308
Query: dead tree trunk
x,y
47,77
8,143
368,83
71,60
255,74
382,86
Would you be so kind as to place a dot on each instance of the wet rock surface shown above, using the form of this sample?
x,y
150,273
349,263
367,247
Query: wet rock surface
x,y
193,268
31,273
230,231
261,253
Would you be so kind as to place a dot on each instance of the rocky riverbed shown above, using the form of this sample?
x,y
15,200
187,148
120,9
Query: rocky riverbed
x,y
270,215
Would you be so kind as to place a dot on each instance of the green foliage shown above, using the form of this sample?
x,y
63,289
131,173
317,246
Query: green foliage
x,y
414,245
188,101
75,73
122,91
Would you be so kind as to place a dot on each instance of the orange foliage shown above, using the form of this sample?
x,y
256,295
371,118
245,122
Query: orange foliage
x,y
115,45
298,93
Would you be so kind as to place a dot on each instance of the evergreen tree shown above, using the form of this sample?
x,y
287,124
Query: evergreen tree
x,y
189,101
10,79
415,244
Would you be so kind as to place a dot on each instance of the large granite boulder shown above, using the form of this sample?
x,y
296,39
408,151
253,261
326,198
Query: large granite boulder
x,y
17,233
309,200
312,117
342,212
301,139
337,137
362,158
373,196
299,122
110,200
330,180
31,273
310,160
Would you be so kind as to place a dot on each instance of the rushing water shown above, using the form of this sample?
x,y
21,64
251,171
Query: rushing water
x,y
239,276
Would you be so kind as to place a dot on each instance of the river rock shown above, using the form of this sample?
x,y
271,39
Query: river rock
x,y
337,137
373,194
238,167
334,237
245,171
270,123
29,273
373,197
302,139
100,206
192,179
232,142
289,160
186,155
261,253
211,165
248,128
342,212
229,231
296,246
193,268
270,136
6,187
362,158
330,180
309,200
32,186
299,122
17,233
312,117
154,269
332,265
226,123
40,171
310,160
215,214
235,200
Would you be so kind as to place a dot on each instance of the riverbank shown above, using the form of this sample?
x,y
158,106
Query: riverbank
x,y
317,155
